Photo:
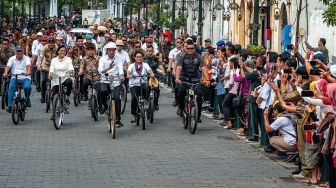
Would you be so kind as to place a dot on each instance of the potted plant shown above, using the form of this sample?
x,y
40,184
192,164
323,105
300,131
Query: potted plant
x,y
254,50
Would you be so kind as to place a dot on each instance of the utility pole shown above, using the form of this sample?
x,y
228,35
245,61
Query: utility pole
x,y
173,18
255,22
297,32
200,21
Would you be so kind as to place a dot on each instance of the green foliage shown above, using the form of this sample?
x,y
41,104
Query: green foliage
x,y
8,8
329,15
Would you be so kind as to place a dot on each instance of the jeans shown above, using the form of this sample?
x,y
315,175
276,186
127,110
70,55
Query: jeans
x,y
12,87
181,93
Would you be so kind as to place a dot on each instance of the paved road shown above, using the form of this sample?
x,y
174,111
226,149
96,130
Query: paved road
x,y
82,153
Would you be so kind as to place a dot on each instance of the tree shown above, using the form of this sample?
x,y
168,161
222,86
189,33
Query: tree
x,y
329,15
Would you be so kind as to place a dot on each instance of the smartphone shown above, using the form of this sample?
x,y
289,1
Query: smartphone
x,y
313,63
307,93
315,72
290,47
308,127
288,71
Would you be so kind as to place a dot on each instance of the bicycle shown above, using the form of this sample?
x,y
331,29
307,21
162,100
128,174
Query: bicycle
x,y
4,94
141,109
93,103
123,97
111,109
150,109
19,103
59,105
190,111
76,88
48,95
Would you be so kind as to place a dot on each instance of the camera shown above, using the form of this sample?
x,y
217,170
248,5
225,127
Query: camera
x,y
307,93
315,71
288,71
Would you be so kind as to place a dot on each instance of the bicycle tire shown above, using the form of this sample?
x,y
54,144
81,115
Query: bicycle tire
x,y
193,116
185,115
94,108
138,118
22,111
57,112
75,96
4,96
15,112
143,118
113,119
123,97
151,111
47,100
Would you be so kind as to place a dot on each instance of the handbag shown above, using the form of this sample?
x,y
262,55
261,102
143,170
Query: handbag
x,y
238,101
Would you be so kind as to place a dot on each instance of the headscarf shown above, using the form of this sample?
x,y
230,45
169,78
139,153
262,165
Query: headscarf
x,y
321,86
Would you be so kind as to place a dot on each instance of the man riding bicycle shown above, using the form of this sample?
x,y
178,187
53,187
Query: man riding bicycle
x,y
188,69
110,65
43,64
18,64
89,68
156,66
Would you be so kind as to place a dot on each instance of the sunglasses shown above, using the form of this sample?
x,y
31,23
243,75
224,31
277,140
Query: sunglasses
x,y
137,46
190,48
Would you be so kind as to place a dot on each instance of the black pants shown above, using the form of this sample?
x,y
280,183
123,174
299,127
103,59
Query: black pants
x,y
44,79
181,93
85,86
227,106
103,92
37,77
136,91
67,83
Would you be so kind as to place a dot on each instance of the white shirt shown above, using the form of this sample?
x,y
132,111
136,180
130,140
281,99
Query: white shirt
x,y
285,126
116,71
60,67
155,46
234,89
19,66
34,45
38,50
123,57
61,32
136,81
172,55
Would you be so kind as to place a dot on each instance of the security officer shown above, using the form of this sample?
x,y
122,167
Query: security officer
x,y
43,64
157,68
188,69
5,53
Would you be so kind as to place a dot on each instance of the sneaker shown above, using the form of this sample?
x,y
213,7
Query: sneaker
x,y
199,120
101,110
223,124
296,171
133,119
28,104
179,112
9,109
174,103
299,176
119,124
157,107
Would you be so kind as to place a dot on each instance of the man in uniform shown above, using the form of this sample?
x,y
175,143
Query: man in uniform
x,y
5,53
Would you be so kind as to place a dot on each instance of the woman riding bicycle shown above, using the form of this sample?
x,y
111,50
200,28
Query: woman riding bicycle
x,y
134,72
61,66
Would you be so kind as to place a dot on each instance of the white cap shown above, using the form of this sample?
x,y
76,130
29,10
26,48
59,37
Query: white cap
x,y
333,70
39,34
110,45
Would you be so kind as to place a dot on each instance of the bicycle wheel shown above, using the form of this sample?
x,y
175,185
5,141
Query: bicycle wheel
x,y
113,118
193,116
4,95
143,118
151,111
57,112
22,111
94,108
185,116
138,117
123,98
47,100
15,112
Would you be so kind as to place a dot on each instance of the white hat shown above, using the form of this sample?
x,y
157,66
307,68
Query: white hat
x,y
110,45
333,70
119,43
39,34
